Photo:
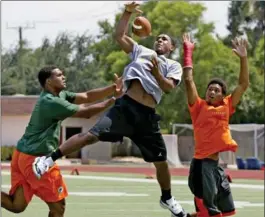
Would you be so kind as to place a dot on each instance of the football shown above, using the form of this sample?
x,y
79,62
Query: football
x,y
141,27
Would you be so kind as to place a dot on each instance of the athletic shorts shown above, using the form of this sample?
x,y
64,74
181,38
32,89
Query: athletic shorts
x,y
210,186
51,186
133,120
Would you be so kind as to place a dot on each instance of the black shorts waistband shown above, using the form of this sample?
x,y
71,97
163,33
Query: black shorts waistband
x,y
137,104
208,160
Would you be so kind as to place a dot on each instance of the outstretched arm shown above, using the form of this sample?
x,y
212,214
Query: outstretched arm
x,y
60,109
191,89
100,93
240,49
91,110
125,41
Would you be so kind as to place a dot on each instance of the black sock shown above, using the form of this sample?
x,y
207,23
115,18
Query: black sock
x,y
166,194
56,154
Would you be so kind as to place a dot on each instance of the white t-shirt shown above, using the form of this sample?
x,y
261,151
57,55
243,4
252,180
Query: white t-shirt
x,y
139,69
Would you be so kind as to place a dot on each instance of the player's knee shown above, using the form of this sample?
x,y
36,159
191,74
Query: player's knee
x,y
61,207
88,138
161,165
18,208
58,210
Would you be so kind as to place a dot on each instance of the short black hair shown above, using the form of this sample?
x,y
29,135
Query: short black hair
x,y
173,42
219,81
45,73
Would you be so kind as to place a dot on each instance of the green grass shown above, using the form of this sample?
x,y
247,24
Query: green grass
x,y
141,206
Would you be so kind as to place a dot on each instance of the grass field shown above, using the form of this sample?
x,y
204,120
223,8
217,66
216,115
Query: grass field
x,y
107,195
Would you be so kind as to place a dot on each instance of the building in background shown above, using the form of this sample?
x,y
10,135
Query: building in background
x,y
15,114
16,111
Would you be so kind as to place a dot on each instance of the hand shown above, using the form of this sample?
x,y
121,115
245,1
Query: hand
x,y
240,47
118,86
154,68
187,43
133,8
188,47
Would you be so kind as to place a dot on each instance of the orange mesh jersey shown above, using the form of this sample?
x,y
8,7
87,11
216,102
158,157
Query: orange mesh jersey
x,y
211,127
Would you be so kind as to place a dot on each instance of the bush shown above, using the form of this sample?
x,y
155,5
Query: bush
x,y
7,152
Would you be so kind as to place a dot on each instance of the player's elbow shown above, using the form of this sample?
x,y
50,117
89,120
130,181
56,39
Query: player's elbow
x,y
244,85
171,87
168,88
118,36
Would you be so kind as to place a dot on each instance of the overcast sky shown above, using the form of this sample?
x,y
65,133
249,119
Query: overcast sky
x,y
52,17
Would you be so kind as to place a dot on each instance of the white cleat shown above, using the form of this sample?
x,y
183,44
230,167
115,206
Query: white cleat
x,y
174,207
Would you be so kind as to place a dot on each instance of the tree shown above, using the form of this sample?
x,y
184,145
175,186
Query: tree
x,y
245,17
90,62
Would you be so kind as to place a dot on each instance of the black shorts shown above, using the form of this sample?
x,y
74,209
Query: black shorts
x,y
208,181
133,120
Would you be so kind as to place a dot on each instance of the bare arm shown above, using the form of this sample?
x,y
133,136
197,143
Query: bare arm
x,y
125,41
91,110
166,84
191,90
240,48
100,93
190,86
94,95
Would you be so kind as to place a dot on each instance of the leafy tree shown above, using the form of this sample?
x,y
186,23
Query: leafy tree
x,y
90,61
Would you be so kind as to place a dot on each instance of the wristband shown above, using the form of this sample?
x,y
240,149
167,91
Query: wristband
x,y
187,60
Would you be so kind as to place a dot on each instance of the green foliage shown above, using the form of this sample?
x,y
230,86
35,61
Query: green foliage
x,y
7,152
246,17
116,61
90,61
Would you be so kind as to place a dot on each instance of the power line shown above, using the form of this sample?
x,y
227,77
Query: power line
x,y
20,32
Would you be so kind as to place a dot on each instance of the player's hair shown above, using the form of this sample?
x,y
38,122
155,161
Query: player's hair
x,y
173,42
45,73
219,81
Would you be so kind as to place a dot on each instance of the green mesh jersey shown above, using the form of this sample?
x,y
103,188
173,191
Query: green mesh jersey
x,y
42,133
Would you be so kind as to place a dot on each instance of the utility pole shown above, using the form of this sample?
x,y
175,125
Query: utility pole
x,y
20,32
20,29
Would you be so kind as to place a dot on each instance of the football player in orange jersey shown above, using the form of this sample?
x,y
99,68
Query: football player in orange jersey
x,y
210,118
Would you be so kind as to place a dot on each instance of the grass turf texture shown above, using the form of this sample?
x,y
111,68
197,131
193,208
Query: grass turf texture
x,y
130,198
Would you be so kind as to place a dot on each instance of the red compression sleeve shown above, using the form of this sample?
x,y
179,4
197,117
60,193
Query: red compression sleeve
x,y
188,49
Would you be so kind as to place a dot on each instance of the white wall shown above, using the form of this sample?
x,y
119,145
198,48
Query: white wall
x,y
97,151
12,128
85,124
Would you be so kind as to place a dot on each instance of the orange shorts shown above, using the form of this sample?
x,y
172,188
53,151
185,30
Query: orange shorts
x,y
51,186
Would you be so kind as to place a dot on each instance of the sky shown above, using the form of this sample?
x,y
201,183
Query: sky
x,y
48,18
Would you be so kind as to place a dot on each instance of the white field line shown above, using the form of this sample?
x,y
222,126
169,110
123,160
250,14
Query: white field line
x,y
97,194
238,204
141,180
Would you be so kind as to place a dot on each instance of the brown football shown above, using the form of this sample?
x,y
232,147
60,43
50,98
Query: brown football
x,y
141,27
